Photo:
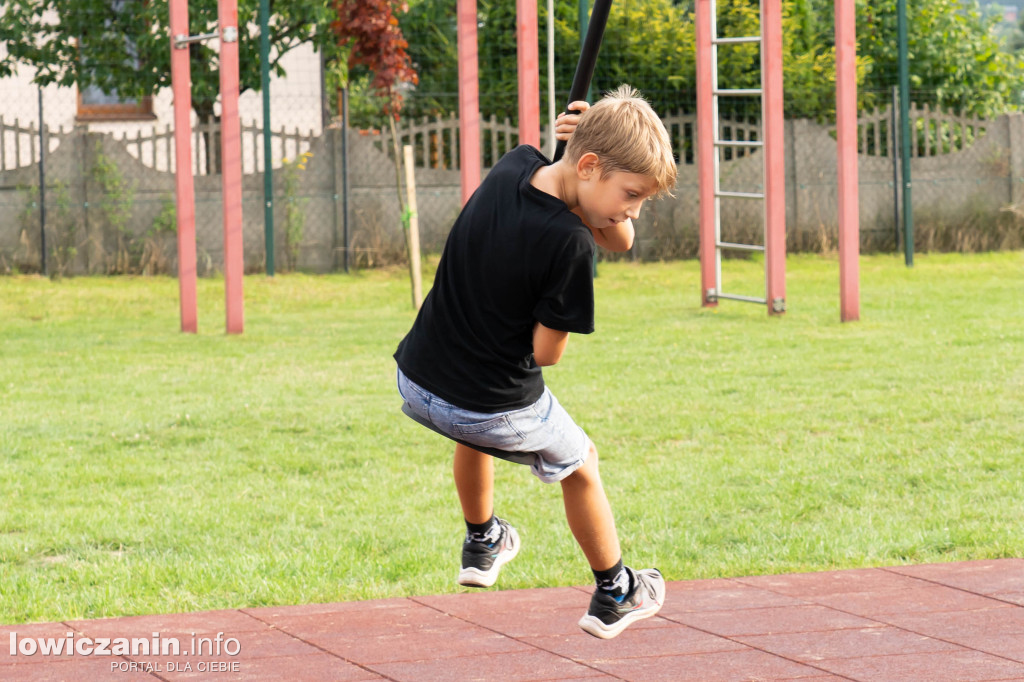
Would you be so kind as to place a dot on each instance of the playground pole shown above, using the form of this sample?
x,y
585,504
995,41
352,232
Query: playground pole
x,y
705,152
268,166
529,72
231,164
469,99
551,77
583,12
905,139
846,140
185,206
773,125
42,187
587,62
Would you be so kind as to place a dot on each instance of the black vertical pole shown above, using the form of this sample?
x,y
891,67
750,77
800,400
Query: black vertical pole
x,y
325,108
583,10
894,138
42,187
588,58
344,173
905,139
268,166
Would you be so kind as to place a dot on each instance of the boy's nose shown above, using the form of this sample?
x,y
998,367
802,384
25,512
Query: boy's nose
x,y
633,210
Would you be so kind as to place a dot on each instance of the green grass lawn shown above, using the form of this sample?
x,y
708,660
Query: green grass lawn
x,y
143,470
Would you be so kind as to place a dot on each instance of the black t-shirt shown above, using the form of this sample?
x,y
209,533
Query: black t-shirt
x,y
515,256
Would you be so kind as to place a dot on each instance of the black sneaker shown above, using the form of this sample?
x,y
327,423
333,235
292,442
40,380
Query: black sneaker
x,y
606,617
481,561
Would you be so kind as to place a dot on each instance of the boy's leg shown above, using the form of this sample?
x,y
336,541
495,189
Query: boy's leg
x,y
590,515
474,481
490,542
623,596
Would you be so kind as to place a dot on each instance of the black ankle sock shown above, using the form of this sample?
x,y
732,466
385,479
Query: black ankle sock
x,y
616,581
478,531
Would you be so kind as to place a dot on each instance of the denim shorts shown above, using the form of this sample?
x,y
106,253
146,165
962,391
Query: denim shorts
x,y
543,435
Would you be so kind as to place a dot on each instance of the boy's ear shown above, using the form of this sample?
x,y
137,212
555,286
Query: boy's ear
x,y
588,166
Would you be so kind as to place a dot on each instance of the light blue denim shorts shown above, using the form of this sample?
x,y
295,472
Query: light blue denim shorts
x,y
543,435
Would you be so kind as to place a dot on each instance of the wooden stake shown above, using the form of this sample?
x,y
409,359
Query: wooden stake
x,y
415,272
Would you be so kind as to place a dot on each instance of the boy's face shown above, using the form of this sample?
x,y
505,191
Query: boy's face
x,y
606,199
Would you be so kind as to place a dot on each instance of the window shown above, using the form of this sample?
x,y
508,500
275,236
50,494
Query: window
x,y
94,104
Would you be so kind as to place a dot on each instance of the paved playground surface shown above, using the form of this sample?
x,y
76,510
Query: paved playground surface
x,y
960,621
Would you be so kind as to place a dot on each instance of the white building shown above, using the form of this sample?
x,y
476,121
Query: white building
x,y
296,107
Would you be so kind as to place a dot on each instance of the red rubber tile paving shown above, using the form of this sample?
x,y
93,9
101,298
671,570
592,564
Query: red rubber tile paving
x,y
962,621
809,585
1010,597
907,600
677,640
982,577
722,595
809,647
747,664
963,666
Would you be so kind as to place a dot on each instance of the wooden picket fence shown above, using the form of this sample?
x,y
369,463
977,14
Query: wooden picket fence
x,y
934,132
435,141
155,148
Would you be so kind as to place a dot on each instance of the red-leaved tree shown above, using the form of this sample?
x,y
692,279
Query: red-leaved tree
x,y
368,31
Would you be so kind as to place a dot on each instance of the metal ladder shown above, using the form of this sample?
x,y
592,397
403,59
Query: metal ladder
x,y
714,293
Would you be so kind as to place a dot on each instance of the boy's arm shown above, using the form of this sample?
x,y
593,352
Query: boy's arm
x,y
617,238
548,345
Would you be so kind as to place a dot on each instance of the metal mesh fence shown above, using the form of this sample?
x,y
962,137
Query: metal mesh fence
x,y
109,181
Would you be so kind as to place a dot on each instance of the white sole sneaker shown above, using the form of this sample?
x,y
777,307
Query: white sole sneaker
x,y
607,618
484,563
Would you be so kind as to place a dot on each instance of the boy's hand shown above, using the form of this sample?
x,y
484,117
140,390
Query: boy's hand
x,y
566,123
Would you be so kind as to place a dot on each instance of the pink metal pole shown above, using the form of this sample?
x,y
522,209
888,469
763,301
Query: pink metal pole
x,y
231,163
705,153
469,100
185,203
846,140
529,72
774,156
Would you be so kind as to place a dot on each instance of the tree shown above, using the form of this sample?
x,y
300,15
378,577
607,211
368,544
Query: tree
x,y
122,47
956,58
652,46
369,37
809,61
647,43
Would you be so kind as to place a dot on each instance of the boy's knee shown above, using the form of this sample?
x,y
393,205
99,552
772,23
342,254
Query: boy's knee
x,y
589,468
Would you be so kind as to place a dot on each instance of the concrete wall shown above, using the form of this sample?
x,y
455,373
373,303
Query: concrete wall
x,y
971,184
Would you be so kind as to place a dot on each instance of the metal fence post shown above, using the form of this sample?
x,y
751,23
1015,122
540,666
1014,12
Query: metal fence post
x,y
345,194
42,187
268,166
894,139
904,76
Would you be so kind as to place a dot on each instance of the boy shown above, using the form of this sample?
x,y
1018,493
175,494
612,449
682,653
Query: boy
x,y
515,278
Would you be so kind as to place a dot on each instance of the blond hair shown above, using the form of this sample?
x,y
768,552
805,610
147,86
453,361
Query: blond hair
x,y
627,136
